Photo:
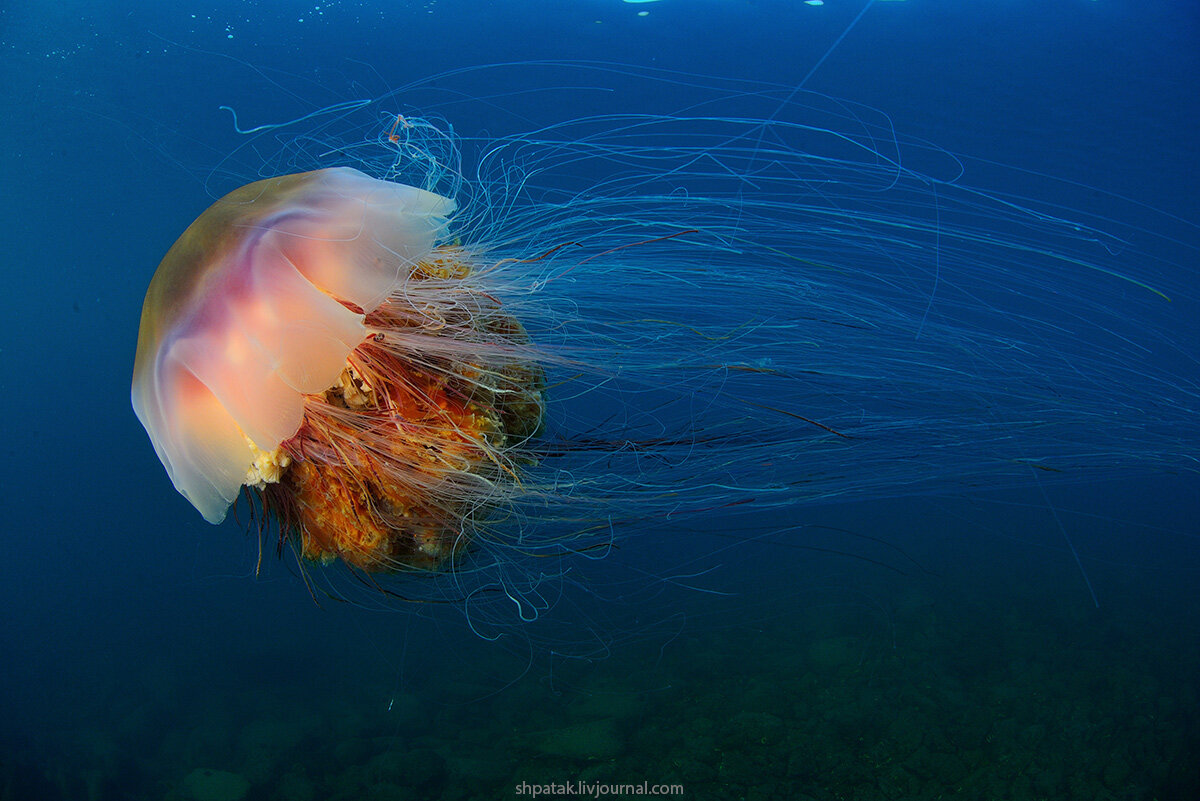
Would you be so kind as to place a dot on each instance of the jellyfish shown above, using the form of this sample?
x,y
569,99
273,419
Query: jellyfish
x,y
490,357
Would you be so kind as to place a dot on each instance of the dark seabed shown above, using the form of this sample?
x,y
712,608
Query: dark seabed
x,y
928,645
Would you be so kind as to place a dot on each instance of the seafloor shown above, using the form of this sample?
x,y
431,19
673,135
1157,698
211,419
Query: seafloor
x,y
931,689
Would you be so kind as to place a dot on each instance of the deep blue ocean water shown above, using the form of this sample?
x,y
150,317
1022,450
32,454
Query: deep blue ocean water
x,y
138,646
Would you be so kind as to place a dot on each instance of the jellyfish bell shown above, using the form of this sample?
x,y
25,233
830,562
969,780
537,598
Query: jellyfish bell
x,y
287,346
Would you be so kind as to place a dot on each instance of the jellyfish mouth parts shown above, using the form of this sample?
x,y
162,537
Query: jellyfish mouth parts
x,y
418,444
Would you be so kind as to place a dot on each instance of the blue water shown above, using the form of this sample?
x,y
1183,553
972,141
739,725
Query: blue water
x,y
894,648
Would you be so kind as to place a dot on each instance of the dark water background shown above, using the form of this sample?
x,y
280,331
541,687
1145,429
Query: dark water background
x,y
137,646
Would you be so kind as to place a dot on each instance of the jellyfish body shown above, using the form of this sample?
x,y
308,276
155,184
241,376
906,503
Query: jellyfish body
x,y
280,350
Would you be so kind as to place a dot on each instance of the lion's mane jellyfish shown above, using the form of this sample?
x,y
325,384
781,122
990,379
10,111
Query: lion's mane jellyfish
x,y
313,339
484,357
